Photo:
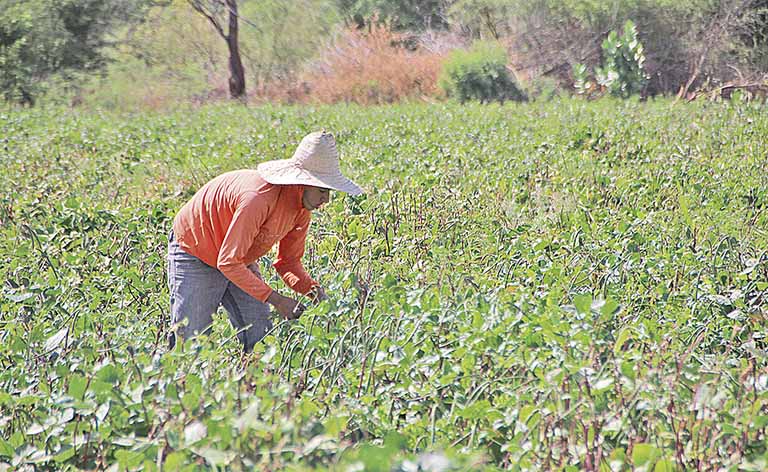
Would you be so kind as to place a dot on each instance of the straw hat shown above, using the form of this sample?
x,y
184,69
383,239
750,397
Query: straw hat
x,y
315,162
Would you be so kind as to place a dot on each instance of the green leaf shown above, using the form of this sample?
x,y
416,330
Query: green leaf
x,y
54,341
664,465
476,410
190,400
760,422
609,308
66,454
99,387
335,424
77,386
215,457
644,453
395,440
174,461
625,334
129,459
583,303
6,449
477,320
527,412
108,374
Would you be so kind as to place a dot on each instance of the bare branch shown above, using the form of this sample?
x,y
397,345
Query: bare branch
x,y
715,30
198,6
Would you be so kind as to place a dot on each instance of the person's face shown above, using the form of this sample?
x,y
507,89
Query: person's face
x,y
315,197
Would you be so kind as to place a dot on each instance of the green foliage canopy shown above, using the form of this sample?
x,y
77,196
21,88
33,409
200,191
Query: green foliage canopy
x,y
279,36
41,38
479,73
403,14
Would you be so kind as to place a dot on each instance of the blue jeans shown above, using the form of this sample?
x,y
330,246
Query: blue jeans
x,y
198,289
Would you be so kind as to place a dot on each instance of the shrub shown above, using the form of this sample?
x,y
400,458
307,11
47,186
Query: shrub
x,y
479,73
541,88
622,73
288,35
369,67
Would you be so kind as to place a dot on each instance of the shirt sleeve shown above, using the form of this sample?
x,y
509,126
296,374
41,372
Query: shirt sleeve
x,y
246,223
289,253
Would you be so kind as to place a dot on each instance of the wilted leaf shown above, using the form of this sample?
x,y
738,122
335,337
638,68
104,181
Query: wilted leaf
x,y
215,457
102,411
19,297
54,341
194,432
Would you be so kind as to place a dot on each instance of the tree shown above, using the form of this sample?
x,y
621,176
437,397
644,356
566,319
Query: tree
x,y
403,14
42,39
483,18
289,35
214,11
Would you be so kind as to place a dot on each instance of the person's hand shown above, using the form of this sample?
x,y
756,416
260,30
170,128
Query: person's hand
x,y
286,307
317,294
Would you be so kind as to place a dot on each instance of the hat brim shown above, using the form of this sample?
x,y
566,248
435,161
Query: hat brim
x,y
285,172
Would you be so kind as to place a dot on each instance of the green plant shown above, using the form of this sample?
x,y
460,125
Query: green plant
x,y
539,286
581,82
479,73
401,14
622,73
541,89
44,39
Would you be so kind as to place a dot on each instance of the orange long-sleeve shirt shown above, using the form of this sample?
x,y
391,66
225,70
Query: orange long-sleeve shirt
x,y
236,218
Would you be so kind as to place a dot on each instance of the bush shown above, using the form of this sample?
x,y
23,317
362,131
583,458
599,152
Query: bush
x,y
623,71
368,67
541,88
479,73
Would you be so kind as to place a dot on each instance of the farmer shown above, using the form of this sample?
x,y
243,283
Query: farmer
x,y
236,218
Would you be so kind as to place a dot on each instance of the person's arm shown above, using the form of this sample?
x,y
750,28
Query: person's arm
x,y
289,253
246,224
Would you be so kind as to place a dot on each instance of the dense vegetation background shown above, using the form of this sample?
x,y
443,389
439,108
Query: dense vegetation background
x,y
156,53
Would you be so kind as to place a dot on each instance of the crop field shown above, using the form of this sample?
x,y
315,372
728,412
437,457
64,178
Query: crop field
x,y
548,286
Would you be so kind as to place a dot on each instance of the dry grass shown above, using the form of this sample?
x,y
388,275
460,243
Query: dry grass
x,y
372,66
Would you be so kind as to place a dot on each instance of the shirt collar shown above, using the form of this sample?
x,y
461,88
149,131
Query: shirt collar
x,y
299,191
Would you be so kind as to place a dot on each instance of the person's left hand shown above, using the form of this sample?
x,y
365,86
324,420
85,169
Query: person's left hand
x,y
317,294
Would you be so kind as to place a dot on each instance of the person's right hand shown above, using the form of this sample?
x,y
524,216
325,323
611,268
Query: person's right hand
x,y
288,308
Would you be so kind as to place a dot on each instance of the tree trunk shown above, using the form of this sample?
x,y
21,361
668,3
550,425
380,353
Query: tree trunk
x,y
236,71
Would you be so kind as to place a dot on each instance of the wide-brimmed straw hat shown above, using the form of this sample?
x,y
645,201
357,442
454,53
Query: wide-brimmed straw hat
x,y
315,162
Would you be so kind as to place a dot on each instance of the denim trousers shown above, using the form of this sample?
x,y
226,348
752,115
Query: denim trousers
x,y
196,291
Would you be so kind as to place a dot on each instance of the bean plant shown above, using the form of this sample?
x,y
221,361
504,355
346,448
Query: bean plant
x,y
565,286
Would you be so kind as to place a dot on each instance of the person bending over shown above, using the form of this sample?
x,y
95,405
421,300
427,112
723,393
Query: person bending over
x,y
233,220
